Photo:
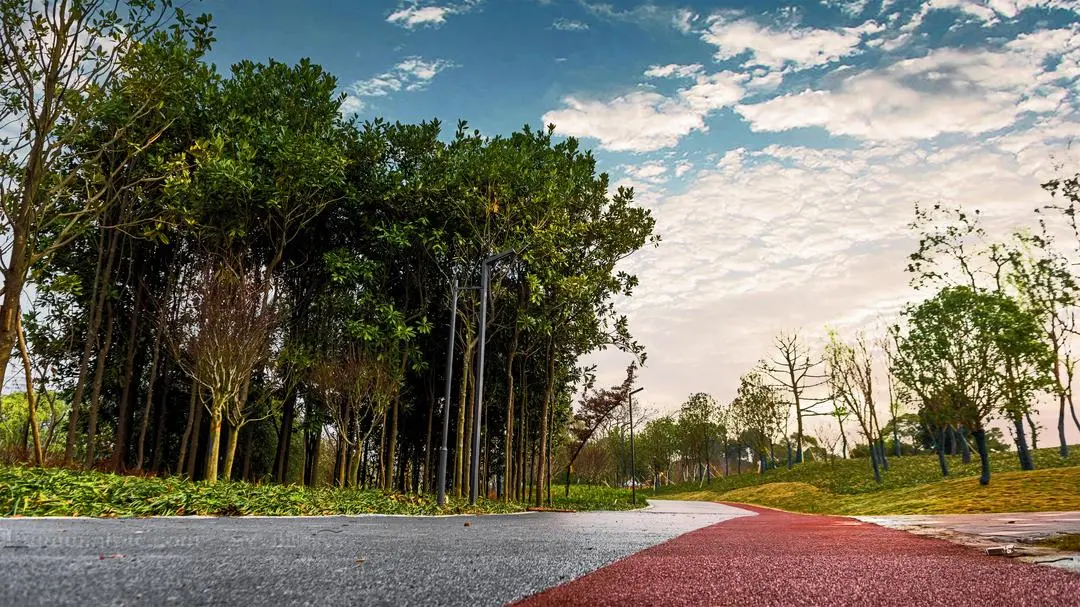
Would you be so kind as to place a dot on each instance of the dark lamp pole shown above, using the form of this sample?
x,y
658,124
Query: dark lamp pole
x,y
633,459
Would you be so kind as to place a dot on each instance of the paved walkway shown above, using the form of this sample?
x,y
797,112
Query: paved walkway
x,y
341,560
778,558
1008,526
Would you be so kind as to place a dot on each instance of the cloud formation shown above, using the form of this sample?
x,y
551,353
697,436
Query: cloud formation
x,y
416,13
411,74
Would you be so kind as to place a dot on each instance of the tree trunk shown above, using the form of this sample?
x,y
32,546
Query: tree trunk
x,y
122,408
144,422
459,450
428,477
159,429
508,445
284,445
31,398
1063,450
984,455
545,414
14,279
214,447
95,393
391,459
230,452
1034,431
965,449
942,462
99,296
189,424
196,434
1022,451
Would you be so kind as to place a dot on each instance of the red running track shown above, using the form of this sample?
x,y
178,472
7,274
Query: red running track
x,y
778,558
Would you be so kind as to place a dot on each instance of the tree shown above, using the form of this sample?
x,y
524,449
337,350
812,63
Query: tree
x,y
850,369
58,60
1045,284
971,354
796,372
697,421
760,412
595,410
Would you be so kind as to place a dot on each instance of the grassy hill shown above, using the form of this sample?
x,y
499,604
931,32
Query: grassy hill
x,y
912,485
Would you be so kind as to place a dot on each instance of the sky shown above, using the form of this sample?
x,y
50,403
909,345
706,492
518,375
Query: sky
x,y
781,146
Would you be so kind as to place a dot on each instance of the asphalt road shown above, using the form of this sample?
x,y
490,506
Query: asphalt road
x,y
365,560
792,560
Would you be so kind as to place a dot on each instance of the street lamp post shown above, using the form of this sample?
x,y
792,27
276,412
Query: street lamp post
x,y
633,459
485,275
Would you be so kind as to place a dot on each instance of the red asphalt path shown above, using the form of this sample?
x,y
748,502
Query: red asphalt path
x,y
778,558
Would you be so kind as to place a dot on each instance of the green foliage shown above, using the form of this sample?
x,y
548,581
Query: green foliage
x,y
973,354
59,492
596,497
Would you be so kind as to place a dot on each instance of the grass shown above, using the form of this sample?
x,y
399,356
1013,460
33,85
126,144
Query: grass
x,y
1065,541
913,485
26,491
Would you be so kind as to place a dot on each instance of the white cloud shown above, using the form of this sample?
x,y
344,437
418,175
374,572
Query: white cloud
x,y
802,47
638,121
351,105
650,172
411,74
851,8
569,25
946,91
645,121
674,70
683,167
417,13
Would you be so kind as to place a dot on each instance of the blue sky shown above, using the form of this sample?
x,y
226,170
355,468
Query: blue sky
x,y
780,144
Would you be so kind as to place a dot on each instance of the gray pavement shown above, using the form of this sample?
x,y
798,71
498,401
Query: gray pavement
x,y
986,530
362,560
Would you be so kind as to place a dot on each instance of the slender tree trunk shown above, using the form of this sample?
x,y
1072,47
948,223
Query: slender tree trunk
x,y
99,296
284,445
213,450
1022,451
508,445
942,462
427,475
391,459
159,429
14,280
123,407
144,422
95,393
965,449
1063,450
470,418
230,452
1034,431
984,455
31,398
196,434
191,423
545,416
459,450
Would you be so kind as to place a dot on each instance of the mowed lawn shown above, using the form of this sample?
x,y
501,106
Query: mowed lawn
x,y
912,485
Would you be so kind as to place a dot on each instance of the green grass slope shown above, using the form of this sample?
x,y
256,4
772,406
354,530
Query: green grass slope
x,y
912,485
